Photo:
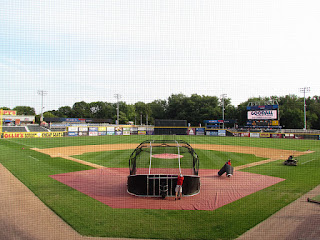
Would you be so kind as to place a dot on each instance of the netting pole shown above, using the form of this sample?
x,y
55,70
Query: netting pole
x,y
150,158
179,156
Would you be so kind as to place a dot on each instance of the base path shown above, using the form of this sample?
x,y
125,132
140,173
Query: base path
x,y
298,220
271,154
23,216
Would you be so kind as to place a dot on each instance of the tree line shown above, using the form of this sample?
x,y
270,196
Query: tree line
x,y
195,109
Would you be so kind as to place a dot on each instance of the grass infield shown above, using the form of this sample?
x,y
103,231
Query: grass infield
x,y
92,218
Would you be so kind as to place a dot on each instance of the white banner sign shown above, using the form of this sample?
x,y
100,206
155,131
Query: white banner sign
x,y
262,114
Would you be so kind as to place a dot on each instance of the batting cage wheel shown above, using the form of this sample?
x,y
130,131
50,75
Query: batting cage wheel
x,y
155,165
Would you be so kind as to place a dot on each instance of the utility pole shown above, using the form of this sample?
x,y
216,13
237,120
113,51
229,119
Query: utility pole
x,y
117,96
223,96
42,93
304,90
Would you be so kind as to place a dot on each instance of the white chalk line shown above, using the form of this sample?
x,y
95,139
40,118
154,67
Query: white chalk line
x,y
308,161
34,158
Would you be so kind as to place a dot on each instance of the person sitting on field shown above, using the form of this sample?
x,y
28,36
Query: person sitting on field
x,y
179,187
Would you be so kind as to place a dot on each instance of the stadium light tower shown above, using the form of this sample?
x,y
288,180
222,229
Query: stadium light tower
x,y
304,90
42,93
117,96
223,96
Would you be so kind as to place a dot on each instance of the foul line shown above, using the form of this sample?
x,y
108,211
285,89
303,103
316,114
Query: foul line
x,y
84,162
308,161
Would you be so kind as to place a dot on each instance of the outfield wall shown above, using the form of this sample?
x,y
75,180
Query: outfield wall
x,y
150,130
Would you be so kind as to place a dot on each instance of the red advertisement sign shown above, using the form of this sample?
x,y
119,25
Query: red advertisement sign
x,y
9,112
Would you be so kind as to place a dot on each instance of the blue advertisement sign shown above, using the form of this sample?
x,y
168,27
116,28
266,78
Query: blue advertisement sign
x,y
212,133
72,134
222,133
200,131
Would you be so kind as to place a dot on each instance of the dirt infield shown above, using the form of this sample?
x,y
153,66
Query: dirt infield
x,y
270,153
109,186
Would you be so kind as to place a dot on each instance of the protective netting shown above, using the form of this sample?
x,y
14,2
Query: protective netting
x,y
169,154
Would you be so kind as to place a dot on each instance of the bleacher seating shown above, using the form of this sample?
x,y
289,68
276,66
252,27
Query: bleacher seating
x,y
58,129
36,128
13,129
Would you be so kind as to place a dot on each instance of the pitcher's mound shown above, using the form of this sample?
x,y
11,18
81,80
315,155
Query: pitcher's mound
x,y
108,185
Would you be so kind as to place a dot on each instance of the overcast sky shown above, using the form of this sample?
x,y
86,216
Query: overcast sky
x,y
145,50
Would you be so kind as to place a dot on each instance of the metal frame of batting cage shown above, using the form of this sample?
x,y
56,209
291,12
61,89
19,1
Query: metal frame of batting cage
x,y
162,143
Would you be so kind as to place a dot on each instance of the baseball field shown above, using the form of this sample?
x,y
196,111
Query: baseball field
x,y
36,162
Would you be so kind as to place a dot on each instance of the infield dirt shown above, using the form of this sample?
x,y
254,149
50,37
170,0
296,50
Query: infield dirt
x,y
270,153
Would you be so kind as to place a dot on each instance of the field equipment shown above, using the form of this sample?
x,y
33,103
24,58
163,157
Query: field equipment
x,y
291,161
227,168
155,165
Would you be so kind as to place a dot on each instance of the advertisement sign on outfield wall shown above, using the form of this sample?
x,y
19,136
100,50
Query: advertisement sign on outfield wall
x,y
150,131
93,129
72,134
191,131
93,133
83,133
83,129
255,135
212,133
275,135
262,114
118,130
200,131
264,135
73,129
126,131
110,130
142,130
31,134
134,131
222,133
245,134
288,135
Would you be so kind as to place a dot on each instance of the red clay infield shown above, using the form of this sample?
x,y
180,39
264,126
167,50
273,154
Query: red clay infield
x,y
108,185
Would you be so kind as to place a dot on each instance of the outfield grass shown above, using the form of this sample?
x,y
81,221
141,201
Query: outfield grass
x,y
92,218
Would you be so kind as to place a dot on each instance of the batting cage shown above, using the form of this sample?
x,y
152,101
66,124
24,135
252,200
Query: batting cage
x,y
155,166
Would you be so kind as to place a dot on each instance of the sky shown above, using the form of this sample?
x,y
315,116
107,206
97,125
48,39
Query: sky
x,y
80,50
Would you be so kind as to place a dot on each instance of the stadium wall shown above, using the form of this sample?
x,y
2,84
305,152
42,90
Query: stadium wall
x,y
127,130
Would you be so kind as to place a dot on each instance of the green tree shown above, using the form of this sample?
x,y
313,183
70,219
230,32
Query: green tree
x,y
158,110
25,110
141,111
65,112
313,112
49,114
81,110
177,108
291,112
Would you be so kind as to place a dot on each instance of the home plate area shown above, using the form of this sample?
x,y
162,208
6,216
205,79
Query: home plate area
x,y
109,186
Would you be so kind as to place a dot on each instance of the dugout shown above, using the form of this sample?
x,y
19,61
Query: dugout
x,y
170,127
